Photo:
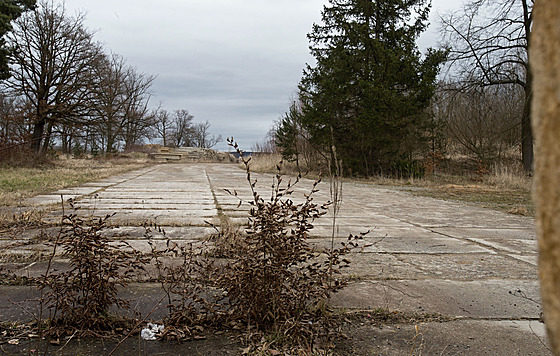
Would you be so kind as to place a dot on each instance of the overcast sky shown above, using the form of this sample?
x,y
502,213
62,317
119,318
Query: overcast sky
x,y
235,63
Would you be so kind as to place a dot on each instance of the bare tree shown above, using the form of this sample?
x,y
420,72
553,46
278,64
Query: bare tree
x,y
201,136
110,98
12,123
489,42
177,129
121,100
480,119
182,128
53,56
267,144
138,118
163,125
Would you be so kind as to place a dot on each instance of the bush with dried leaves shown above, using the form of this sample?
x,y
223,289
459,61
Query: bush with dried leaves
x,y
81,297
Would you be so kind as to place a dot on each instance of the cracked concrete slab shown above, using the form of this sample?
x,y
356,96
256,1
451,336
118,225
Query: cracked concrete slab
x,y
454,338
479,299
474,265
434,244
527,233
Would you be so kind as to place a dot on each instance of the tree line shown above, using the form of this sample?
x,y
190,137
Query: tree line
x,y
61,86
375,103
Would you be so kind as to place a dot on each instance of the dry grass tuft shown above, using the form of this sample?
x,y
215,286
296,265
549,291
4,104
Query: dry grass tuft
x,y
24,219
268,163
520,210
508,177
18,183
264,162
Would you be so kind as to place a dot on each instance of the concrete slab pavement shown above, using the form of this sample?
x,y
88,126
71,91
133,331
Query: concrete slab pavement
x,y
476,266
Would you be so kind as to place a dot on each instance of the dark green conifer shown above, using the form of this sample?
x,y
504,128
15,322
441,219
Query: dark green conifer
x,y
368,92
9,11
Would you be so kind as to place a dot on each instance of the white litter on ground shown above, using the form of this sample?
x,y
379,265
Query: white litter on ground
x,y
149,333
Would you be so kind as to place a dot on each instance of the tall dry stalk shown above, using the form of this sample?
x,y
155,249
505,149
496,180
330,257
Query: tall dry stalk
x,y
335,189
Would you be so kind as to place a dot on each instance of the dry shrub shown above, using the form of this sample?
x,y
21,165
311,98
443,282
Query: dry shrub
x,y
267,279
21,156
275,281
80,298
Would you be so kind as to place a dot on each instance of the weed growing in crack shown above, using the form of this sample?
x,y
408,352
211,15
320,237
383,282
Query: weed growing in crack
x,y
80,298
10,278
185,274
14,221
226,239
275,281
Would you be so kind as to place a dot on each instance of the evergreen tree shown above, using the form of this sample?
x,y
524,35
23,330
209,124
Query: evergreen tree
x,y
368,92
286,135
9,11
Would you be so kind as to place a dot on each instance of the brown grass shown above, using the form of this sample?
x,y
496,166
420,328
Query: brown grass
x,y
509,177
267,163
18,183
504,187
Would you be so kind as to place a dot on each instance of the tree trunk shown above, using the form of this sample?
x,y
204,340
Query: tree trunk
x,y
110,142
39,126
47,140
545,61
527,152
66,140
87,137
37,136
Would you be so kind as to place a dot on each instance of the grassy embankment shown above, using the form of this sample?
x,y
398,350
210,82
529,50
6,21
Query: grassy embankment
x,y
18,183
503,187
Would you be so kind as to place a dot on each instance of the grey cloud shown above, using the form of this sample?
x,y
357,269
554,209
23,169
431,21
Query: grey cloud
x,y
235,63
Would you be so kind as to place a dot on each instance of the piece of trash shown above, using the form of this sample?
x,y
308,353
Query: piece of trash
x,y
13,342
149,333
